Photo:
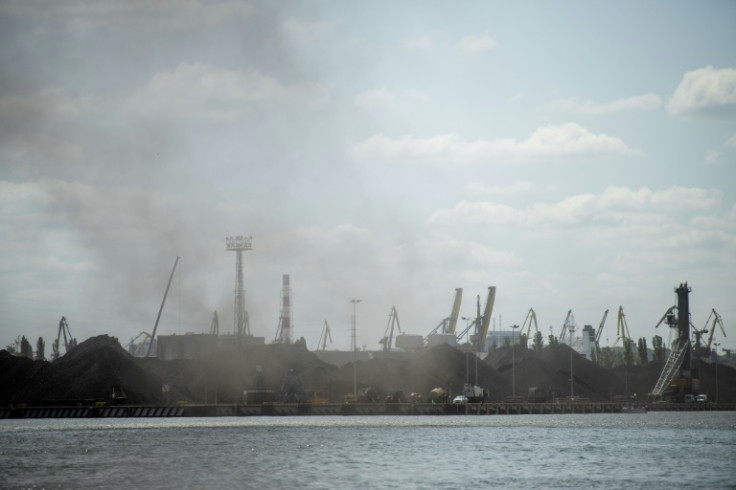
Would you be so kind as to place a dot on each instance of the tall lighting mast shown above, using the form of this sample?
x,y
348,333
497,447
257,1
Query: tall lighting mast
x,y
354,346
238,244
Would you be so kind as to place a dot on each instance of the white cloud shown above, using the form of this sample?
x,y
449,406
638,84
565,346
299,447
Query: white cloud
x,y
576,105
471,45
706,91
205,91
614,206
161,12
382,99
421,43
566,140
48,103
304,31
519,187
712,157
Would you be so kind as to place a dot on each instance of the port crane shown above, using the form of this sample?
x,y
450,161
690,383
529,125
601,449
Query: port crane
x,y
325,336
138,350
481,323
568,326
69,341
716,320
600,330
473,324
531,317
449,324
622,327
166,293
215,325
388,336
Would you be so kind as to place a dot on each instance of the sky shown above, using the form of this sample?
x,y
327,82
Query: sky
x,y
575,155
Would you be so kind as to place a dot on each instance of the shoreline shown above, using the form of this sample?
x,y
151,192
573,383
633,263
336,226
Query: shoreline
x,y
37,411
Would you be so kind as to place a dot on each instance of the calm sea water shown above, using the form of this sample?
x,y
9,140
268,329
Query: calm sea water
x,y
654,450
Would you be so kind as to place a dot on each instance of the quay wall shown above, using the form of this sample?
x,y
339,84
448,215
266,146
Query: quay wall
x,y
29,411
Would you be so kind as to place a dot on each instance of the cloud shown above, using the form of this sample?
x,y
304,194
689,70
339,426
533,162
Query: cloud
x,y
707,92
576,105
712,157
471,45
163,13
519,187
205,91
566,140
615,206
306,31
48,103
382,99
421,43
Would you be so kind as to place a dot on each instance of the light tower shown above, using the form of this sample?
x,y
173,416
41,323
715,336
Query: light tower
x,y
240,319
284,333
354,346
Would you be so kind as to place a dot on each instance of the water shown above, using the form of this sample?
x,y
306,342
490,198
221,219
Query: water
x,y
654,450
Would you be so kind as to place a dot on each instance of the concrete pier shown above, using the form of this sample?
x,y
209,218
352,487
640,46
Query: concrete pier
x,y
28,411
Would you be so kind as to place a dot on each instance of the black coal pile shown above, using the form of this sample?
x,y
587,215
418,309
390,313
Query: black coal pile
x,y
441,366
293,373
87,372
224,375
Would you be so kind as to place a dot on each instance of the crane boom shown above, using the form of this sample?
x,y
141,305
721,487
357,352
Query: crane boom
x,y
455,310
666,314
563,333
325,335
622,330
486,321
716,319
168,285
64,329
393,321
531,317
600,328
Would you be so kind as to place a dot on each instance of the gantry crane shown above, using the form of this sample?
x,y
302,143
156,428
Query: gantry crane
x,y
698,349
388,336
324,336
215,325
531,317
69,341
481,322
716,320
622,328
600,330
449,324
163,301
569,325
139,350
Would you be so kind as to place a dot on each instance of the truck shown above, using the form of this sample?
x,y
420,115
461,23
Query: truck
x,y
474,393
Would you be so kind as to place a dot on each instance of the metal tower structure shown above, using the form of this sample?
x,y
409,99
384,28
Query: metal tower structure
x,y
677,376
283,334
683,328
239,244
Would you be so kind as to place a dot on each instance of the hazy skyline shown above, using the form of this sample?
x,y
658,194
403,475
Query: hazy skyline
x,y
576,156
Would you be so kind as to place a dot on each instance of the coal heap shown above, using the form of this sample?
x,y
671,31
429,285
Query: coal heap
x,y
223,375
89,371
549,369
293,373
